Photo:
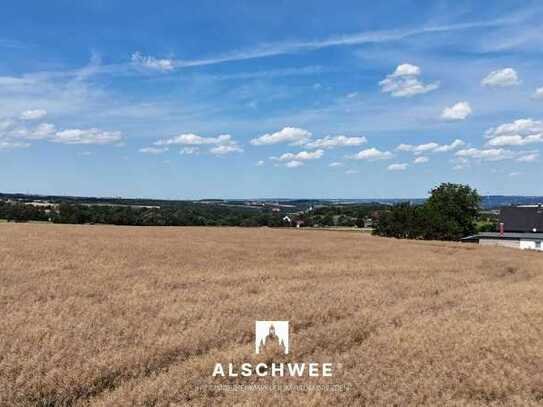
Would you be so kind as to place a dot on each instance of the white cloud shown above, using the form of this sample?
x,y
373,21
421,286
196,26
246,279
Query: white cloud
x,y
86,136
294,164
521,126
221,145
43,131
226,149
153,150
301,156
514,173
352,39
458,111
528,158
33,114
292,135
337,141
430,147
371,154
420,160
335,164
404,82
449,147
193,139
515,140
501,78
405,147
538,94
351,172
148,62
259,163
406,70
189,150
491,154
518,133
12,145
397,167
424,148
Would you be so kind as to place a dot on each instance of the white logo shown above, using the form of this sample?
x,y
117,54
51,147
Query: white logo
x,y
271,335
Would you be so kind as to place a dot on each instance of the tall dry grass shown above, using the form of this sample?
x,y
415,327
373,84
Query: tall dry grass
x,y
112,316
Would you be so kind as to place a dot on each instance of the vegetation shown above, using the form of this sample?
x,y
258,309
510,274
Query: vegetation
x,y
187,214
450,213
102,316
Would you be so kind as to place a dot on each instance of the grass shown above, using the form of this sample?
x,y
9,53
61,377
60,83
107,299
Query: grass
x,y
111,316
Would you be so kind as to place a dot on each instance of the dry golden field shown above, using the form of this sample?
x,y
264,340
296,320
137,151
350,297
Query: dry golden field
x,y
115,316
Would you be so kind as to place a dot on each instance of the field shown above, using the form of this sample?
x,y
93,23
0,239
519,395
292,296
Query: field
x,y
113,316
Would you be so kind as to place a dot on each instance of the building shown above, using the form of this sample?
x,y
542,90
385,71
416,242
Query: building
x,y
522,219
520,227
508,239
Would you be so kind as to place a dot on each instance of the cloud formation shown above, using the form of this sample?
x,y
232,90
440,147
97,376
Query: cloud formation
x,y
291,135
226,149
33,114
301,156
221,145
371,154
431,147
518,133
365,37
12,145
458,111
153,150
501,78
337,141
153,63
491,154
404,82
420,160
294,164
397,167
86,136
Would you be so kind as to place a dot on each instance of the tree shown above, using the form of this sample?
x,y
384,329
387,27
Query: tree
x,y
451,212
401,221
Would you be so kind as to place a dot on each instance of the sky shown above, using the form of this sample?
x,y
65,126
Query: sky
x,y
253,99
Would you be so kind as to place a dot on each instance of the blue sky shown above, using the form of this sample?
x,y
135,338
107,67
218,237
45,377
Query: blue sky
x,y
270,99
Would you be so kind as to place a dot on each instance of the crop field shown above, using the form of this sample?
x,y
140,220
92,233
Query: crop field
x,y
120,316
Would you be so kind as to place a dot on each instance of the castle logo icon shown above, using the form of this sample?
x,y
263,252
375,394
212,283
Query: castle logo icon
x,y
271,335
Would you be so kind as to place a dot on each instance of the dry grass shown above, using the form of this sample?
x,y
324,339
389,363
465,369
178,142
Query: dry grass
x,y
115,316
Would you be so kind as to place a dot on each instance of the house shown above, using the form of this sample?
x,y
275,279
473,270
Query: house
x,y
522,219
508,239
520,227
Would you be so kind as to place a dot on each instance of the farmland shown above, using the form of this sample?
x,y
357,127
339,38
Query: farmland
x,y
110,316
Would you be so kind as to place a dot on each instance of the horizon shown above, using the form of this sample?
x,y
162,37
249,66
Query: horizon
x,y
375,199
274,100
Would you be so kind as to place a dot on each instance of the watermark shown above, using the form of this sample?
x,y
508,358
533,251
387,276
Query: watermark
x,y
272,338
275,387
271,334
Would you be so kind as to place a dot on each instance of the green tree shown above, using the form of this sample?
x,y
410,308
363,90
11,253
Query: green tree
x,y
451,212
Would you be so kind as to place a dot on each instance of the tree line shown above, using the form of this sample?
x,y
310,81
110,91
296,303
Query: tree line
x,y
450,213
178,215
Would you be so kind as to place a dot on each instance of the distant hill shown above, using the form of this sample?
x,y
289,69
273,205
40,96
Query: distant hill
x,y
497,201
488,201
